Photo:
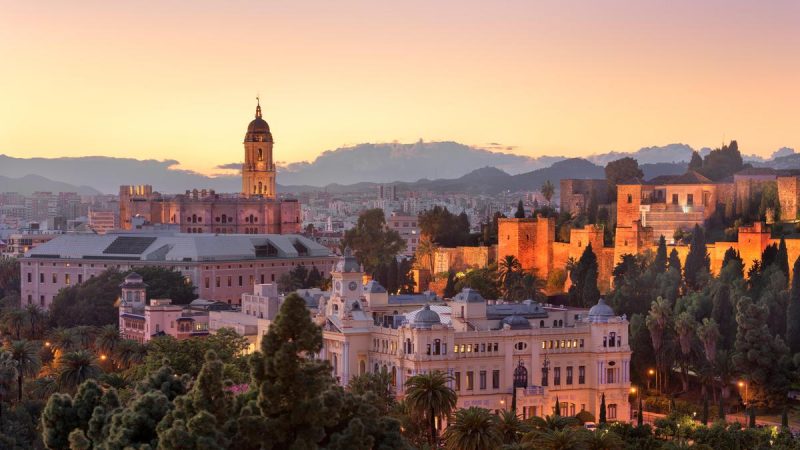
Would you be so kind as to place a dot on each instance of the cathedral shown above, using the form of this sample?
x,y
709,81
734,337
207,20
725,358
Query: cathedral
x,y
255,210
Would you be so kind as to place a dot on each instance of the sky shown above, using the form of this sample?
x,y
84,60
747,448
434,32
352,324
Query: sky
x,y
178,79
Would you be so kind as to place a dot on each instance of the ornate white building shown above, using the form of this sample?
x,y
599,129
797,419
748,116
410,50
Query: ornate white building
x,y
498,355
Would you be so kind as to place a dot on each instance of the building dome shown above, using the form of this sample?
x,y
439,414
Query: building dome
x,y
133,281
516,322
426,318
347,263
469,295
601,312
258,130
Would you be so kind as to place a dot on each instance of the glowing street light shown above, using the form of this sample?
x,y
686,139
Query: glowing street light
x,y
743,384
103,357
650,374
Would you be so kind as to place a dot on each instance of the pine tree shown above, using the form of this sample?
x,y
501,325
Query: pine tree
x,y
557,409
660,261
698,261
724,315
697,161
793,312
759,354
520,214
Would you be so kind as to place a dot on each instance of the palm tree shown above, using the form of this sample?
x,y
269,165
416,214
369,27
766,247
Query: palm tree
x,y
510,426
553,423
26,354
572,439
76,367
429,395
36,318
14,320
473,429
603,440
130,353
685,327
107,340
8,374
426,251
62,340
531,287
657,321
548,190
508,272
85,336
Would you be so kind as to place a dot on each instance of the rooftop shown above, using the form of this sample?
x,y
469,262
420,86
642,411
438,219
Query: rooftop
x,y
177,247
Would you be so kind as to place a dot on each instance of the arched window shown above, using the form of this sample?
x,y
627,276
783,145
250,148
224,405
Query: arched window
x,y
260,187
362,367
437,346
541,324
394,376
520,376
260,155
335,363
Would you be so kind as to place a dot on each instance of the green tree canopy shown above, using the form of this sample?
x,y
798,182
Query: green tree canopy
x,y
372,242
621,170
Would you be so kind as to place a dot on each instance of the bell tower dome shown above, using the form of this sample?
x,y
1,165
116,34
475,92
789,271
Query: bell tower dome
x,y
258,169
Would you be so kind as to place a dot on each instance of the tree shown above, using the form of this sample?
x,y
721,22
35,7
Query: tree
x,y
548,190
508,271
187,356
793,311
107,340
426,253
722,162
76,367
429,396
675,261
660,261
510,426
14,320
473,428
450,285
447,229
379,384
602,409
696,162
758,354
520,214
584,291
698,262
371,241
9,277
26,354
621,170
685,327
166,283
482,280
658,320
8,375
782,258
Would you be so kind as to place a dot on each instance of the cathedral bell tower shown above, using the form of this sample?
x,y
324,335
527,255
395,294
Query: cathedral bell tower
x,y
258,170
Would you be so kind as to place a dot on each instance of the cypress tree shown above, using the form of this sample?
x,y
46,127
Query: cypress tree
x,y
675,261
793,312
640,417
697,260
557,409
696,162
602,409
783,258
723,312
583,291
450,286
520,214
660,261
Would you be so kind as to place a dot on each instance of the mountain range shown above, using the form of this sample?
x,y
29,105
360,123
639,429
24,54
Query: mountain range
x,y
435,166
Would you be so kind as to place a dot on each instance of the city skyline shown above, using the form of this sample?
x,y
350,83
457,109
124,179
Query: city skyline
x,y
539,79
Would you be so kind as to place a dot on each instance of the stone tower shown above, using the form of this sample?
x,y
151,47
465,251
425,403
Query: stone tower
x,y
258,170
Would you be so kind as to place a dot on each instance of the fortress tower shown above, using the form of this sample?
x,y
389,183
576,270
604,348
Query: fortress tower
x,y
258,169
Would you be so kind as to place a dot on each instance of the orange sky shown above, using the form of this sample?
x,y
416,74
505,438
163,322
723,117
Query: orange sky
x,y
177,79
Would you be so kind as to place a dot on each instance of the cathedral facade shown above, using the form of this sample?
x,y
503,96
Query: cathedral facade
x,y
255,210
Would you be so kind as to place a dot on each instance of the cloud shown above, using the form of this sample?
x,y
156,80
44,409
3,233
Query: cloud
x,y
230,166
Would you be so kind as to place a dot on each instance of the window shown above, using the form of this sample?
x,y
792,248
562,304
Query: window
x,y
581,374
612,339
611,411
482,379
495,379
207,282
230,281
674,199
55,279
80,278
30,277
557,376
544,376
569,375
66,279
520,346
240,280
496,346
690,199
437,346
630,198
610,375
41,278
581,343
470,381
217,282
457,378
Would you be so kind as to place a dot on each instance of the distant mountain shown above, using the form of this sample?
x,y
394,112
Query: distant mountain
x,y
106,174
32,183
381,163
672,153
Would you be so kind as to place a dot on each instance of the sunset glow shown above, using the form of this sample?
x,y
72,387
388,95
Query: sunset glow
x,y
165,81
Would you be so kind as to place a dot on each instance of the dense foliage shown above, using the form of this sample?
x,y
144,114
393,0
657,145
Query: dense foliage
x,y
372,242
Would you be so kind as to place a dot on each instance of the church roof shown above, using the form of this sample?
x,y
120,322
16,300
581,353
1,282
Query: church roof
x,y
258,129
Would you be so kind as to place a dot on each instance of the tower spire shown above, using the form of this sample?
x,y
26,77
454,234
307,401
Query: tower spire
x,y
258,108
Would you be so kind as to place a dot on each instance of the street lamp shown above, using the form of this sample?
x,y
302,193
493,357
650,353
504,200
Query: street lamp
x,y
650,374
743,384
635,394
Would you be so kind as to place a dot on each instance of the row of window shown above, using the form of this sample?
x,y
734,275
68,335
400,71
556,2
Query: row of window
x,y
67,278
612,340
477,347
563,343
470,380
569,376
251,280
